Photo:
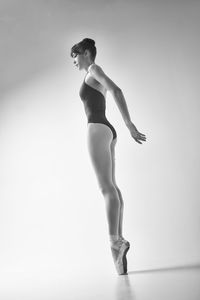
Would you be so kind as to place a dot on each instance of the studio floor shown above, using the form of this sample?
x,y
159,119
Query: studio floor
x,y
168,283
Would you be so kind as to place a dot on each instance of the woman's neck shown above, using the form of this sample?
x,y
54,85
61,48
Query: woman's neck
x,y
90,66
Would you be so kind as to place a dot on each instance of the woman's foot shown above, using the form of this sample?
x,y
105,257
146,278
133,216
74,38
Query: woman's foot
x,y
124,258
124,241
119,250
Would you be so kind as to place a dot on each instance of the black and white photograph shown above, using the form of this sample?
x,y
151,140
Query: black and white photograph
x,y
99,150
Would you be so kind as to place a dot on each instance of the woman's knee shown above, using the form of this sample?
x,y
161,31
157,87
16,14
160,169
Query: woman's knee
x,y
108,188
119,195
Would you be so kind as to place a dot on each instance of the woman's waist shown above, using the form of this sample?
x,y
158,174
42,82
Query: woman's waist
x,y
97,117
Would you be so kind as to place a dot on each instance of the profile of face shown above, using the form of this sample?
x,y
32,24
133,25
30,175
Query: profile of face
x,y
78,60
81,60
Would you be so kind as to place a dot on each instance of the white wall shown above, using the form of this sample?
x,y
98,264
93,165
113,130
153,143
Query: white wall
x,y
50,203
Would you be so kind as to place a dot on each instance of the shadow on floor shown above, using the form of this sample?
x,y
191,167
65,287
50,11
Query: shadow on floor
x,y
170,268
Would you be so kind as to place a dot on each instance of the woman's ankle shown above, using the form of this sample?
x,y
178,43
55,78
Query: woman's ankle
x,y
113,238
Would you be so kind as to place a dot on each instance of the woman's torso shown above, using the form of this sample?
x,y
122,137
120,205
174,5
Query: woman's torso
x,y
91,81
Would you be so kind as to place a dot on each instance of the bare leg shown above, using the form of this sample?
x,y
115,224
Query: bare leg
x,y
118,190
120,213
100,143
99,140
121,209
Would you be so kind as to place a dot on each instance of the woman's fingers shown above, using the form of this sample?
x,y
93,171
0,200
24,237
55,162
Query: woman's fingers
x,y
139,137
141,134
138,141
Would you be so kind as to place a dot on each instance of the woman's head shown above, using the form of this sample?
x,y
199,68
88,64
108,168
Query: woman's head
x,y
84,52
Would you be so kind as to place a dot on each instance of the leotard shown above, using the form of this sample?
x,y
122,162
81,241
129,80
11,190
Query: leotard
x,y
95,106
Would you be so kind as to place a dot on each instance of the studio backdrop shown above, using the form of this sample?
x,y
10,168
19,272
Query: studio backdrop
x,y
50,203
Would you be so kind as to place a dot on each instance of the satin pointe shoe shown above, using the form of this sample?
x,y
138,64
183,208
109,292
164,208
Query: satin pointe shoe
x,y
125,241
124,258
119,250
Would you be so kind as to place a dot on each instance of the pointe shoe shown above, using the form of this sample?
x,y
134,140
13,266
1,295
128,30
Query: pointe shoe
x,y
124,258
119,251
124,241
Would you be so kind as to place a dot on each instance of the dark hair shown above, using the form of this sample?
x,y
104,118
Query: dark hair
x,y
80,47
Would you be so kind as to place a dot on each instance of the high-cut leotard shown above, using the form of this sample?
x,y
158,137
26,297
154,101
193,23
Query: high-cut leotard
x,y
95,106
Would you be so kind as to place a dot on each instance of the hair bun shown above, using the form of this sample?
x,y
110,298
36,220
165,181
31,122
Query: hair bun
x,y
89,41
85,44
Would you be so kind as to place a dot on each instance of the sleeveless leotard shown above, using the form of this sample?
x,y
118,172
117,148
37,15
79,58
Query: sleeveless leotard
x,y
95,106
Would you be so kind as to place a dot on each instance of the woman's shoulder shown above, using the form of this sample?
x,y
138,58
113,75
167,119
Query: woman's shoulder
x,y
94,68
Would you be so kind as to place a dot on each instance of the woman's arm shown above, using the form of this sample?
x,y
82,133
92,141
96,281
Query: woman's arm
x,y
97,72
121,103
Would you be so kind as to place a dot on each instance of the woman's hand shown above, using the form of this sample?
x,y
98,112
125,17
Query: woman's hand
x,y
136,134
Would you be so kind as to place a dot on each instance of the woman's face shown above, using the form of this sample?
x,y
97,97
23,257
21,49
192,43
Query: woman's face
x,y
79,61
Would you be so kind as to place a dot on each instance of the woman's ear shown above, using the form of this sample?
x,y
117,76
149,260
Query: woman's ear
x,y
86,52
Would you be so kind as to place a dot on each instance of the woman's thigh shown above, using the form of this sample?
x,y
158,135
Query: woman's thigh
x,y
99,139
112,147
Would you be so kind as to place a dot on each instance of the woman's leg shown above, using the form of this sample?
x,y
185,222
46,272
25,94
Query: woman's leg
x,y
113,143
99,138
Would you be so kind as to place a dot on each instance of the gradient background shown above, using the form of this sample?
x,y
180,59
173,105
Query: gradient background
x,y
52,213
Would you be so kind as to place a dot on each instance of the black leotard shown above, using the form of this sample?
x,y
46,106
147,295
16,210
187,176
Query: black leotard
x,y
95,106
